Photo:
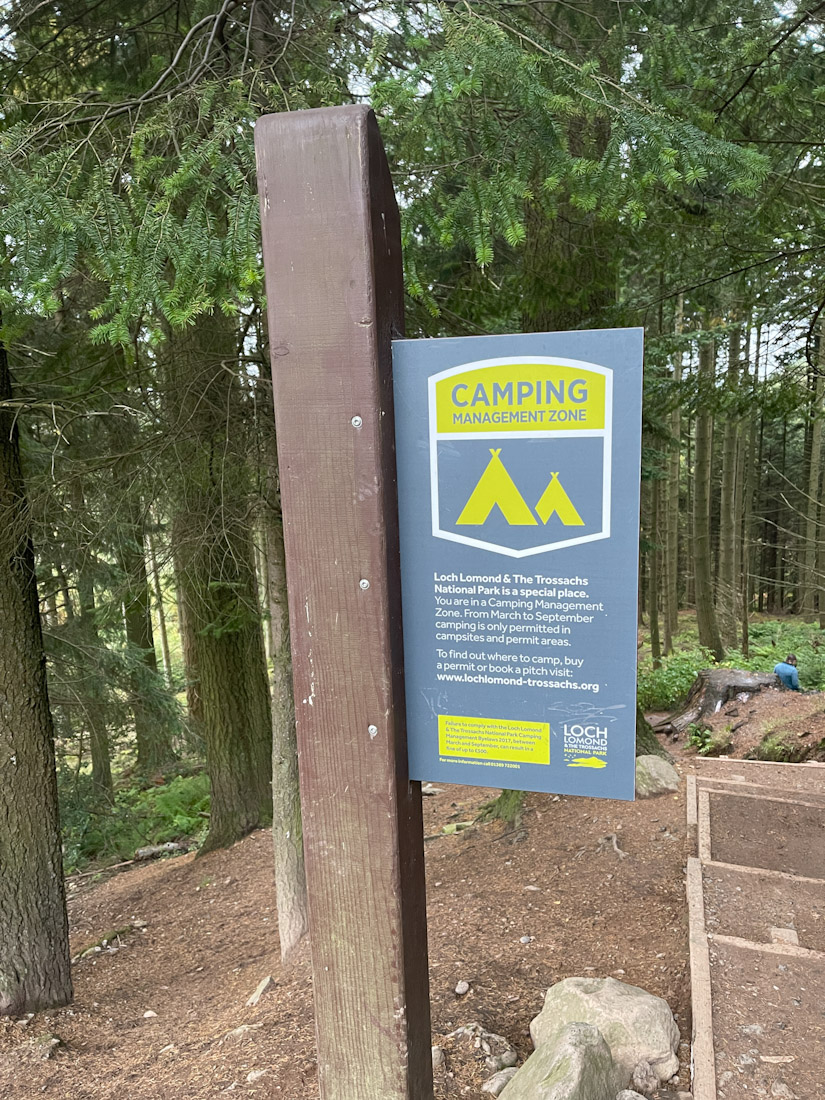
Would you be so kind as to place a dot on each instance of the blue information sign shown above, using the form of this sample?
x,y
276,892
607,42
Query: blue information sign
x,y
518,484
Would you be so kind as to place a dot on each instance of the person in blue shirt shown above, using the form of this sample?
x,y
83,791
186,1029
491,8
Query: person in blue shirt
x,y
786,671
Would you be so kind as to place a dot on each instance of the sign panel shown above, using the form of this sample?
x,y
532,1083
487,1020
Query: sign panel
x,y
518,478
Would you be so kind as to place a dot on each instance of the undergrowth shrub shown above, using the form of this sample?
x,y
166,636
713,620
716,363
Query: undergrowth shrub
x,y
664,688
136,818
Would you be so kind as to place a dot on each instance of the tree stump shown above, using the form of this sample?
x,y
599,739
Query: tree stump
x,y
711,689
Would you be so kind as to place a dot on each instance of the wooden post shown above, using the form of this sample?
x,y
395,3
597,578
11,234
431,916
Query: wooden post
x,y
332,253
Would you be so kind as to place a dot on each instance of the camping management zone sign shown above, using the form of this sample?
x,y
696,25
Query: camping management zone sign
x,y
518,477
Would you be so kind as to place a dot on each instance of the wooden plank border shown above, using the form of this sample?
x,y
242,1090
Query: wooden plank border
x,y
332,253
702,1054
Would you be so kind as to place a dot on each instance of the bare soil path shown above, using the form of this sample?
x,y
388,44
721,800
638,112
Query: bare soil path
x,y
510,911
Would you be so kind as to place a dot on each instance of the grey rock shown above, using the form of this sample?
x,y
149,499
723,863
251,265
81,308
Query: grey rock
x,y
655,776
573,1064
644,1079
496,1084
438,1057
629,1094
462,988
637,1026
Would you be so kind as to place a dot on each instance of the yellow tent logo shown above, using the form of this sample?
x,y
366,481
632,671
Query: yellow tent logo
x,y
496,487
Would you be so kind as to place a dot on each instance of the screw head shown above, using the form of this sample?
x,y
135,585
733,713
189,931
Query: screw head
x,y
364,584
372,730
356,422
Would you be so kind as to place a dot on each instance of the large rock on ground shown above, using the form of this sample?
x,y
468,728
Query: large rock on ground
x,y
655,776
574,1064
638,1027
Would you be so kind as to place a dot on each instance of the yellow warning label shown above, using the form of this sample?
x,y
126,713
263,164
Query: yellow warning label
x,y
494,739
518,397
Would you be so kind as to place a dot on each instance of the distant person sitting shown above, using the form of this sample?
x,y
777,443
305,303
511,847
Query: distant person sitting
x,y
786,671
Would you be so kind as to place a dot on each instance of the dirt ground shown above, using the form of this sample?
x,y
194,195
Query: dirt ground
x,y
163,1014
798,716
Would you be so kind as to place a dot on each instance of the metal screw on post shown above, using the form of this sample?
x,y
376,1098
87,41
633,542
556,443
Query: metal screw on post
x,y
356,422
372,731
364,584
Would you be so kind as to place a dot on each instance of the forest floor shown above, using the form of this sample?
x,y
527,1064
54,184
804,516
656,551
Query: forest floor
x,y
164,1015
795,721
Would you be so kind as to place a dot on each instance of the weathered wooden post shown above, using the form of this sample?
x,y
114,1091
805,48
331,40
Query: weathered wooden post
x,y
332,253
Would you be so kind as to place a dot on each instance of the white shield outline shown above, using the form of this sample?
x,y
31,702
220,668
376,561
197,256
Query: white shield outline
x,y
605,433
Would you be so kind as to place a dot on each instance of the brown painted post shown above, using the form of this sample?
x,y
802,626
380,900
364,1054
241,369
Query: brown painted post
x,y
332,253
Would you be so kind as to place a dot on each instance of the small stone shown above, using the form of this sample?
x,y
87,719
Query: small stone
x,y
785,935
629,1094
495,1085
526,939
438,1058
644,1080
509,1058
149,1014
780,1091
47,1046
240,1032
462,988
264,986
255,1075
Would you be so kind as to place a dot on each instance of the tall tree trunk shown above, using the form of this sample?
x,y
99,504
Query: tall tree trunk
x,y
705,611
35,972
751,463
92,693
150,708
809,594
94,706
653,584
674,467
727,584
161,612
213,546
287,829
194,705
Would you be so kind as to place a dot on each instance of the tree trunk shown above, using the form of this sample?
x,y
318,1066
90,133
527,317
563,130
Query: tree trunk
x,y
287,829
809,595
213,546
674,467
194,706
647,743
161,612
653,583
705,612
752,462
712,688
727,586
35,972
153,732
94,705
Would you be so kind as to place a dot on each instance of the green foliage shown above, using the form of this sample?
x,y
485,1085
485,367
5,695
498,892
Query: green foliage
x,y
781,747
708,743
771,640
138,817
663,688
